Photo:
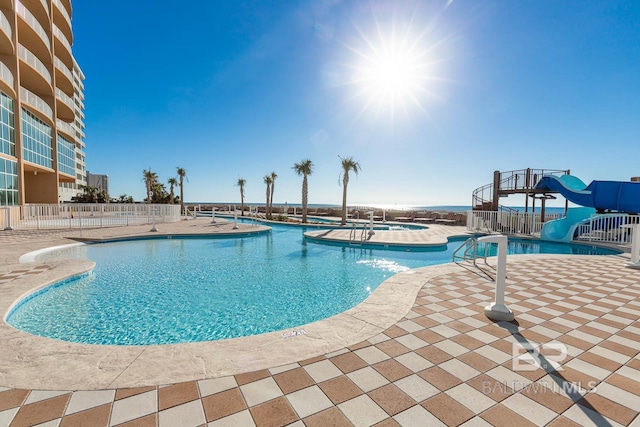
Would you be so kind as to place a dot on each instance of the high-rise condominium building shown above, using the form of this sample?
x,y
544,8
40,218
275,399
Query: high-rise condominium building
x,y
101,182
41,108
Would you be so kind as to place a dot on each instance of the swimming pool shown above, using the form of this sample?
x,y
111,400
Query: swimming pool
x,y
177,290
362,222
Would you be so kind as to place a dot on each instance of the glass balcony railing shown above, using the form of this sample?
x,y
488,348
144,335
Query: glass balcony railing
x,y
64,98
60,65
65,127
5,25
45,6
28,57
5,74
63,11
33,23
60,35
36,102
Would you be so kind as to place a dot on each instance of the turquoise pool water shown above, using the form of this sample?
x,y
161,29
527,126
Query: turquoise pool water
x,y
177,290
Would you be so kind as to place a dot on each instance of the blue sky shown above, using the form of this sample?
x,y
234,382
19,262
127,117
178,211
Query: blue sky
x,y
430,97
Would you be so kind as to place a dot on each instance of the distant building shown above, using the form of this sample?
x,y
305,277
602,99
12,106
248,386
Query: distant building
x,y
635,178
101,182
42,156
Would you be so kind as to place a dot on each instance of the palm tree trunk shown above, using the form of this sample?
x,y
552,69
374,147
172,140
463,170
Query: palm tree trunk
x,y
345,182
273,185
305,193
266,208
181,196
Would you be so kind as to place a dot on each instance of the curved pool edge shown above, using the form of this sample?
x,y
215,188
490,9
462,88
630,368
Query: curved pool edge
x,y
31,361
53,272
341,238
42,363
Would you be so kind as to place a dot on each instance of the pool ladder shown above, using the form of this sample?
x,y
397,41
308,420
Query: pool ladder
x,y
353,234
469,251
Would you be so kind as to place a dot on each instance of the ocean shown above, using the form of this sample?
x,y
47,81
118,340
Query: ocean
x,y
390,207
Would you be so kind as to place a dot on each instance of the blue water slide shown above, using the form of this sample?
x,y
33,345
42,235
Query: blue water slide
x,y
563,229
619,196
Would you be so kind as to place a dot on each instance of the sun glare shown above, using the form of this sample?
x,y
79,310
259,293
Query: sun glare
x,y
390,77
393,66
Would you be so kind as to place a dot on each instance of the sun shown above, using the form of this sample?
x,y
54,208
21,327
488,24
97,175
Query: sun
x,y
393,67
392,76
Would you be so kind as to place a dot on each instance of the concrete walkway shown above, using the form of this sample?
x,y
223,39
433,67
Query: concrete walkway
x,y
438,360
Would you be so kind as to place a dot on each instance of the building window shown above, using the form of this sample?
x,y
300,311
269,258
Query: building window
x,y
36,140
8,182
7,132
66,150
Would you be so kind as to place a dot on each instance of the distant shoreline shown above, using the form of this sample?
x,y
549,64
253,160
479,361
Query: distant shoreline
x,y
389,207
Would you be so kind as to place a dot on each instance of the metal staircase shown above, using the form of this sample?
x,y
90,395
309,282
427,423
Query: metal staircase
x,y
522,181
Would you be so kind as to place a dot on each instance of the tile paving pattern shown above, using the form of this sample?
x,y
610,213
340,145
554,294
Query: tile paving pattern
x,y
444,363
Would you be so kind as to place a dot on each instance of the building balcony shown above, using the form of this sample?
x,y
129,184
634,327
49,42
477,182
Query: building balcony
x,y
6,35
39,8
64,106
33,73
62,19
67,129
32,34
64,78
62,47
37,104
6,78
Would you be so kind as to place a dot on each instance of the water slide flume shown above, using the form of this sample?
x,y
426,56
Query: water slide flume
x,y
599,196
617,196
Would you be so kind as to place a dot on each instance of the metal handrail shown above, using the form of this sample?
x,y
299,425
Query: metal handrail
x,y
470,244
352,233
363,234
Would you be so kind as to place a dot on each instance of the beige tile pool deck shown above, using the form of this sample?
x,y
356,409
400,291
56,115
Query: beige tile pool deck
x,y
418,352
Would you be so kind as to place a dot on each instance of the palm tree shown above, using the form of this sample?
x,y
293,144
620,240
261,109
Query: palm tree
x,y
149,178
268,181
182,174
273,185
304,168
241,182
348,164
172,183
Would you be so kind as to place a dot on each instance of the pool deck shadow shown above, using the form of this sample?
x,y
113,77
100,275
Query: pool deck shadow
x,y
419,351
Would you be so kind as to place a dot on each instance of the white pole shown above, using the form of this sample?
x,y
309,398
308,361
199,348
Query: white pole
x,y
635,245
235,219
498,310
8,227
213,215
371,232
153,227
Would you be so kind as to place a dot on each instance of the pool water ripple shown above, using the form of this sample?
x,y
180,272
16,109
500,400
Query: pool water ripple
x,y
163,291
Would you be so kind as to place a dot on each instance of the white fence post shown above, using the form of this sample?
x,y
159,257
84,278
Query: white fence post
x,y
8,218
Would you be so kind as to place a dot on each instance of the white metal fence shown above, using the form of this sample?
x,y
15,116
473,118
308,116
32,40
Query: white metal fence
x,y
605,228
526,223
608,228
85,215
